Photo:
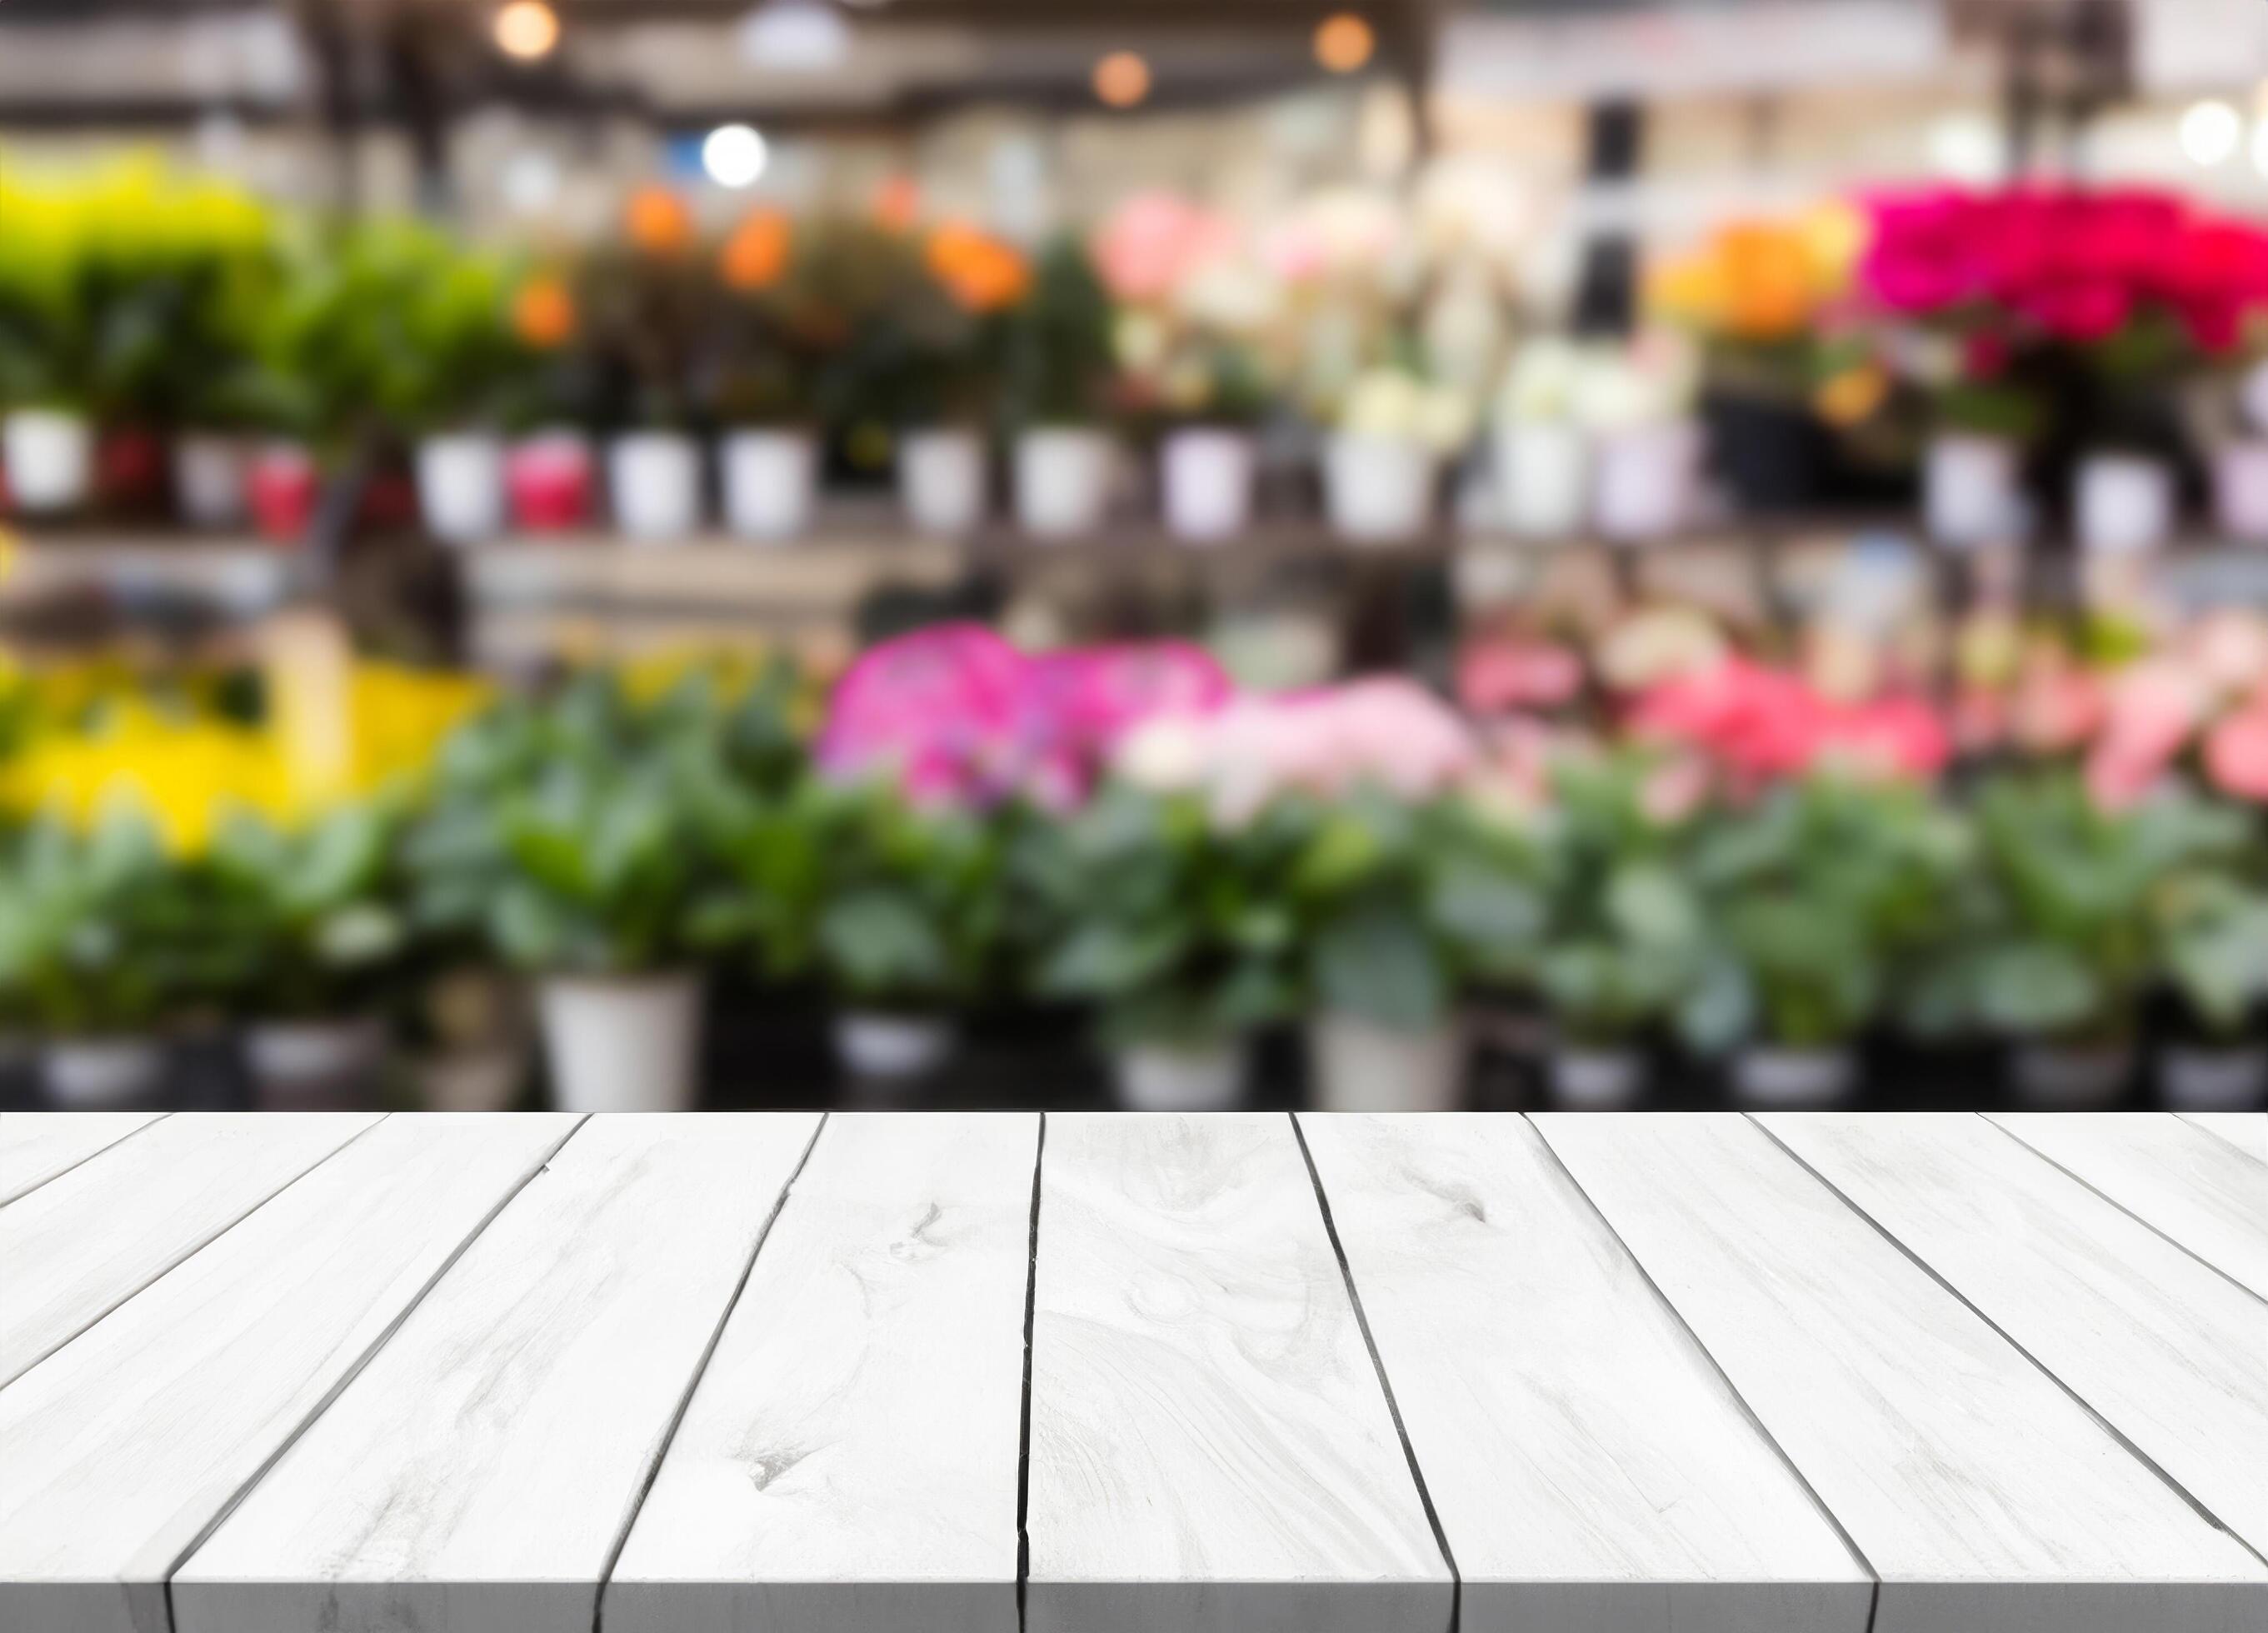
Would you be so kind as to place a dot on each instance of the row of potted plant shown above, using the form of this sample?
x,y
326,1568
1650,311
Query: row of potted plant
x,y
2086,340
1755,873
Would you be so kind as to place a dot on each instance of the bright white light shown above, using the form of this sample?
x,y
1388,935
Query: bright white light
x,y
735,156
1966,147
795,36
2211,132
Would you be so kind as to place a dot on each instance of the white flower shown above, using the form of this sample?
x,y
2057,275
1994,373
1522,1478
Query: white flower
x,y
1540,385
1165,755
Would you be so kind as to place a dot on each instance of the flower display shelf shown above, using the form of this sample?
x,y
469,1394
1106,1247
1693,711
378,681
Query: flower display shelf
x,y
1169,1372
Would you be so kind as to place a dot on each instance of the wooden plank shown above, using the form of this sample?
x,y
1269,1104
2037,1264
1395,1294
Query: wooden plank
x,y
35,1146
2174,1176
479,1475
118,1453
2172,1356
2247,1130
1982,1495
1591,1468
849,1463
81,1245
1211,1447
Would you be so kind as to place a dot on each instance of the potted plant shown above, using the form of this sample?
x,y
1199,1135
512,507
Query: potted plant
x,y
567,834
1823,901
2212,925
1635,400
321,908
648,307
1542,457
107,938
2074,884
1178,928
1057,369
1194,312
1623,944
465,372
1382,463
789,296
50,321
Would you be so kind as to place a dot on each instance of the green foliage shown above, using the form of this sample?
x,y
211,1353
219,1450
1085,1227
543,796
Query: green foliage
x,y
648,322
1180,931
1058,358
1824,902
321,910
104,933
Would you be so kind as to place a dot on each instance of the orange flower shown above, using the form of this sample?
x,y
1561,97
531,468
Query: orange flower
x,y
897,204
756,255
1768,281
658,221
543,313
979,271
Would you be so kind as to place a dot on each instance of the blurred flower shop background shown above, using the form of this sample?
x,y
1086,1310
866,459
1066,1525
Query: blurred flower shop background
x,y
981,553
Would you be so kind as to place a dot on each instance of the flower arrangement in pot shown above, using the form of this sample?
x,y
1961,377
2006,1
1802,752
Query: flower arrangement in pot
x,y
648,311
920,371
321,907
107,940
1823,901
1196,315
1756,295
2212,924
566,835
2085,309
469,369
1059,382
2071,950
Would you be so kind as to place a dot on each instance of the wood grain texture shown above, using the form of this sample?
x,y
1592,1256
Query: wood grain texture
x,y
2247,1130
1986,1499
479,1474
2194,1186
849,1463
85,1242
120,1451
37,1146
1591,1468
2172,1356
1211,1447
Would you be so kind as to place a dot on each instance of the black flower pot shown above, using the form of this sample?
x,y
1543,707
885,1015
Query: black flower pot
x,y
1774,456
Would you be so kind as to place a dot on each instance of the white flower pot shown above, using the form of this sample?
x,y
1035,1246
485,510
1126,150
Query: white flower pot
x,y
654,478
1063,481
50,457
1795,1079
301,1064
2125,504
1206,476
626,1043
2240,489
1599,1079
1157,1077
473,1079
1361,1066
1542,471
941,481
1378,489
2209,1079
461,486
209,474
1972,496
99,1074
891,1049
769,480
1646,481
2048,1078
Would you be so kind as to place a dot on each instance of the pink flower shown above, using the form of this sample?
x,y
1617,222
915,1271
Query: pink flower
x,y
2056,709
2153,712
1154,241
927,707
1674,791
1495,676
2236,755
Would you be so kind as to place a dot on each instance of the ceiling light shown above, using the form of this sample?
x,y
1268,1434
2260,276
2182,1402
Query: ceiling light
x,y
795,36
1121,79
528,30
1344,43
2210,133
735,156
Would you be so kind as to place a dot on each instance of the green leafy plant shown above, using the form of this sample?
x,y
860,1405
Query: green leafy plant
x,y
2212,933
321,906
1059,355
104,933
1825,901
648,321
1180,931
2084,903
1624,941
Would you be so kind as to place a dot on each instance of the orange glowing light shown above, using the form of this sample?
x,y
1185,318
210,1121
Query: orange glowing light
x,y
1344,43
1121,79
527,29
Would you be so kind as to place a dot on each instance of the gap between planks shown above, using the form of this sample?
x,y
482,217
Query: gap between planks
x,y
148,1123
2119,1436
1024,1417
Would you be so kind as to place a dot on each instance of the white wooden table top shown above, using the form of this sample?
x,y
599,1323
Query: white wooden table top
x,y
969,1373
